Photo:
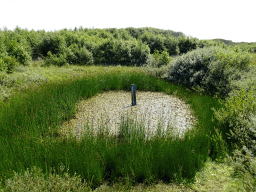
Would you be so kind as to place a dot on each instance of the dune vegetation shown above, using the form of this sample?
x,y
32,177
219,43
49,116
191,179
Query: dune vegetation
x,y
43,75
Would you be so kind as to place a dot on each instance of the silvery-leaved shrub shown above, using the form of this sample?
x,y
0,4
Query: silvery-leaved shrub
x,y
208,69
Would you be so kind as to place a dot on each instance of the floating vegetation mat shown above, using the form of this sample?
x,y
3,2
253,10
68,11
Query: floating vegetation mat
x,y
153,110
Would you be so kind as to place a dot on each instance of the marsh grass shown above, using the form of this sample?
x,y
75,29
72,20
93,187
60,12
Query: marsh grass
x,y
30,137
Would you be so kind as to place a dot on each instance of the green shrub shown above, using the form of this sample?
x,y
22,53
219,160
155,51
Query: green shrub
x,y
139,53
186,44
199,69
115,52
15,45
239,118
121,52
155,42
159,59
52,59
34,39
76,55
233,57
7,63
55,43
16,50
171,44
244,163
21,55
84,56
209,70
36,180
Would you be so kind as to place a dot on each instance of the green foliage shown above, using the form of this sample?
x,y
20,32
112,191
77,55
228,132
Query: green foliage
x,y
208,70
198,69
95,46
21,55
155,42
34,39
36,180
159,59
7,63
11,47
210,43
3,65
81,39
119,34
53,59
137,32
233,57
244,163
121,52
24,45
139,53
238,116
80,56
186,44
171,44
53,42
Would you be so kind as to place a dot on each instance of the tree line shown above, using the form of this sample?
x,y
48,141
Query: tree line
x,y
83,46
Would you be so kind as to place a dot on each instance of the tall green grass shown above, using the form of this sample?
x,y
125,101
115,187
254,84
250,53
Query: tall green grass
x,y
30,136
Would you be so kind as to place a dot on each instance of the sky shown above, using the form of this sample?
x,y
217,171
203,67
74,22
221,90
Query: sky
x,y
204,19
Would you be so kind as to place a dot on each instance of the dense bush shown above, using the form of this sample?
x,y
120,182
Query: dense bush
x,y
137,32
34,39
209,70
186,44
80,56
239,118
171,44
53,42
244,164
7,63
155,42
139,52
15,46
119,34
53,59
194,68
81,39
121,52
21,55
233,57
158,59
